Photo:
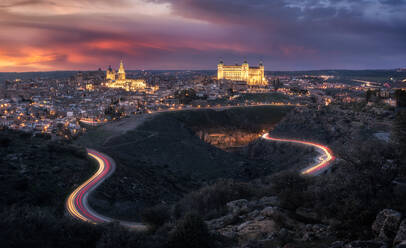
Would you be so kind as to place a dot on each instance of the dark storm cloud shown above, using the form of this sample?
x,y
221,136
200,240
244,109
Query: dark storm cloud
x,y
312,33
193,34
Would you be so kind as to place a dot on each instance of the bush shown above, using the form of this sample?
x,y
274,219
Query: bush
x,y
211,201
290,187
191,231
39,227
116,235
155,216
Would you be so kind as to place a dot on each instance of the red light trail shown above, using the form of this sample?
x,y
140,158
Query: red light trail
x,y
326,158
77,204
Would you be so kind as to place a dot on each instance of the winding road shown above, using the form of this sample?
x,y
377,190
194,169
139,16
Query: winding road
x,y
77,203
323,161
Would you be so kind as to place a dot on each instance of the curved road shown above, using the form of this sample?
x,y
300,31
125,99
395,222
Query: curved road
x,y
77,204
323,161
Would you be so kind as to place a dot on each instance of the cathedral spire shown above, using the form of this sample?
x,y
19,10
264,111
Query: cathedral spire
x,y
121,71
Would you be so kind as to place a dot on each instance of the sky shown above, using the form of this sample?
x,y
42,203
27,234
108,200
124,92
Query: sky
x,y
43,35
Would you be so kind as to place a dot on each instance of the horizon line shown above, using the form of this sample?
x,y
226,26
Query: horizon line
x,y
300,70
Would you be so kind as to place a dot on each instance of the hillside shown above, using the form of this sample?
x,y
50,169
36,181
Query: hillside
x,y
163,158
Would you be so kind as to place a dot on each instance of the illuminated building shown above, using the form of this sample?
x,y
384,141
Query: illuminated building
x,y
118,80
254,76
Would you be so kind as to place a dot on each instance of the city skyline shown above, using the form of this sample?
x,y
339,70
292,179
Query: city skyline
x,y
46,35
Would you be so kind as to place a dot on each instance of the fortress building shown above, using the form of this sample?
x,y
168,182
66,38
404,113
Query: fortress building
x,y
254,76
118,80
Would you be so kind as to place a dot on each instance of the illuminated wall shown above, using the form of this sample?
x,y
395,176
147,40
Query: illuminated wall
x,y
110,74
119,80
251,75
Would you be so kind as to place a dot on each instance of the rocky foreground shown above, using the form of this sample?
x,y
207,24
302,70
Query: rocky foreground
x,y
263,223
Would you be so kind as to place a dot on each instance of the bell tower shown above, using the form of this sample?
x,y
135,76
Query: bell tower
x,y
220,71
262,73
121,71
245,71
110,74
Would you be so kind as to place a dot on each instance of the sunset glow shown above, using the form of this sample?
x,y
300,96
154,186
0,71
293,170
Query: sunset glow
x,y
166,34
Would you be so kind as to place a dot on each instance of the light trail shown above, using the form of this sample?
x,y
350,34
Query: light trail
x,y
78,207
325,159
77,204
90,122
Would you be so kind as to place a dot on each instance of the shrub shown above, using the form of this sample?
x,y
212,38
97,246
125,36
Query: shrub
x,y
210,201
155,216
115,235
290,187
38,227
191,231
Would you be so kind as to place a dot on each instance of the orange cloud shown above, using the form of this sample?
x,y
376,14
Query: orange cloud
x,y
28,57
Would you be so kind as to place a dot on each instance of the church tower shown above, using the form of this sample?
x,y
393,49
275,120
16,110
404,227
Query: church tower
x,y
220,74
245,71
121,72
110,74
262,73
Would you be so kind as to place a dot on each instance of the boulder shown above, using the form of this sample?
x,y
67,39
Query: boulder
x,y
254,230
271,212
253,214
238,207
401,234
386,224
220,222
307,213
366,244
315,232
337,244
269,201
401,244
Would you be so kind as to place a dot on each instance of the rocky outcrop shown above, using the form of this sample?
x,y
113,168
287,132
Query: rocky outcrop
x,y
401,234
238,207
366,244
264,222
386,229
359,244
386,224
307,213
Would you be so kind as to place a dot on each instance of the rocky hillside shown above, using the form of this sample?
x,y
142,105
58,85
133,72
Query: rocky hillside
x,y
263,223
359,203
